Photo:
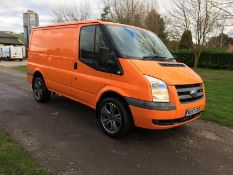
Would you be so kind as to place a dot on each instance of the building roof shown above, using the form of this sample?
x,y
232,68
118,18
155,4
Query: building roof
x,y
8,39
30,12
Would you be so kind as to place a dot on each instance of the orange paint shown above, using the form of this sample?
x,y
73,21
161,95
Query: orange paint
x,y
54,50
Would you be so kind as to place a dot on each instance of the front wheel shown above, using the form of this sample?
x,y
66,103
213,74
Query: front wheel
x,y
40,92
115,117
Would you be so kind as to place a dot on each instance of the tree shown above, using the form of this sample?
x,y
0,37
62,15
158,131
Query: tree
x,y
140,13
226,6
198,16
71,11
162,30
152,21
105,13
173,45
131,12
225,20
155,23
221,41
186,41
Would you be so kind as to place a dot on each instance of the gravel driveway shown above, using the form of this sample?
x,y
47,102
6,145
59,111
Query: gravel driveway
x,y
64,137
13,63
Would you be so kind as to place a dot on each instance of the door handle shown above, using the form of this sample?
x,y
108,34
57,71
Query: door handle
x,y
75,66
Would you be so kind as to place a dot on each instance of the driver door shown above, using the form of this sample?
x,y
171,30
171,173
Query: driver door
x,y
88,76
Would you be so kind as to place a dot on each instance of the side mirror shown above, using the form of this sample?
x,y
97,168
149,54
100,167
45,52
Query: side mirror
x,y
105,58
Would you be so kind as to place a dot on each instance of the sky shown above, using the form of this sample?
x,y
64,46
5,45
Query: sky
x,y
11,11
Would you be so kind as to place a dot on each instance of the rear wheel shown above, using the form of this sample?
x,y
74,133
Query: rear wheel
x,y
40,92
115,117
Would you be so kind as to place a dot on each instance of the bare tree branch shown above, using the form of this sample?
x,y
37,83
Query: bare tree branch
x,y
225,6
132,12
70,11
198,16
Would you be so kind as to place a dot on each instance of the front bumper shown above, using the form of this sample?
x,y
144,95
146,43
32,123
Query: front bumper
x,y
151,115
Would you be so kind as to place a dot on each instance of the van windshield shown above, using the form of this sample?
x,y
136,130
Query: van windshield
x,y
138,43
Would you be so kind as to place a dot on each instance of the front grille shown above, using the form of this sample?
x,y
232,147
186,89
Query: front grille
x,y
175,121
189,93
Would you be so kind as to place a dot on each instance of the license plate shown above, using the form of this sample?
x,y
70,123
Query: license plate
x,y
192,111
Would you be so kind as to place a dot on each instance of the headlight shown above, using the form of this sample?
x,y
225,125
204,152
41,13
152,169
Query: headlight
x,y
158,89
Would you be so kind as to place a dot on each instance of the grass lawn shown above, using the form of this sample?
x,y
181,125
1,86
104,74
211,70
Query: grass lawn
x,y
219,91
21,68
13,160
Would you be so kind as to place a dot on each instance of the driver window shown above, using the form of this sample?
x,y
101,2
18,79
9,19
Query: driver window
x,y
87,35
99,41
92,38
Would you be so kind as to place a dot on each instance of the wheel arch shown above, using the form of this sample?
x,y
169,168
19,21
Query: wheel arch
x,y
38,73
112,93
108,91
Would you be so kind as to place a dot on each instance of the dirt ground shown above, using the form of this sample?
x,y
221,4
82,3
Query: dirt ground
x,y
13,63
64,137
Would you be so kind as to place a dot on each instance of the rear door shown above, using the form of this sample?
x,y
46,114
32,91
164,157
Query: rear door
x,y
18,52
88,76
6,52
15,52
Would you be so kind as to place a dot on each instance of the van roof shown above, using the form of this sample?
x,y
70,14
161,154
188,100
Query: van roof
x,y
80,22
75,23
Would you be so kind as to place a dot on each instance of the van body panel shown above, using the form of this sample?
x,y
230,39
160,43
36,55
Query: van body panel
x,y
143,117
12,52
16,52
86,81
171,75
132,81
5,51
110,88
54,52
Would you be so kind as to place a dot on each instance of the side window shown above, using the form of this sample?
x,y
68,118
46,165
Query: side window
x,y
87,44
92,38
99,41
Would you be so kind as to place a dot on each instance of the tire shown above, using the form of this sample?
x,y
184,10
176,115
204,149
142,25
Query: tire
x,y
114,117
40,92
21,60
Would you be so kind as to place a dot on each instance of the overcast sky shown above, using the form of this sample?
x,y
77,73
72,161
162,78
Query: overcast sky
x,y
11,11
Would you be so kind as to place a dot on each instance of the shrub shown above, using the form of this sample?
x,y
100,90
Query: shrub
x,y
186,40
208,59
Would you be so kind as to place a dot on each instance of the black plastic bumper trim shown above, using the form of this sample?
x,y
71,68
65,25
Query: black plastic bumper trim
x,y
175,121
150,105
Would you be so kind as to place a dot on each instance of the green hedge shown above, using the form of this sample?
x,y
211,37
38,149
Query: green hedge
x,y
208,59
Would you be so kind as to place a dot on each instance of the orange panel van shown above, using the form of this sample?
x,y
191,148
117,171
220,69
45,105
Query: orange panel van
x,y
123,72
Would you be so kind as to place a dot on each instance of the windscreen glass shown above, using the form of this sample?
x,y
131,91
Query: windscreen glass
x,y
138,43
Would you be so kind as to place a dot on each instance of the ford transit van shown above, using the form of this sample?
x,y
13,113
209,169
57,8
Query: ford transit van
x,y
123,72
